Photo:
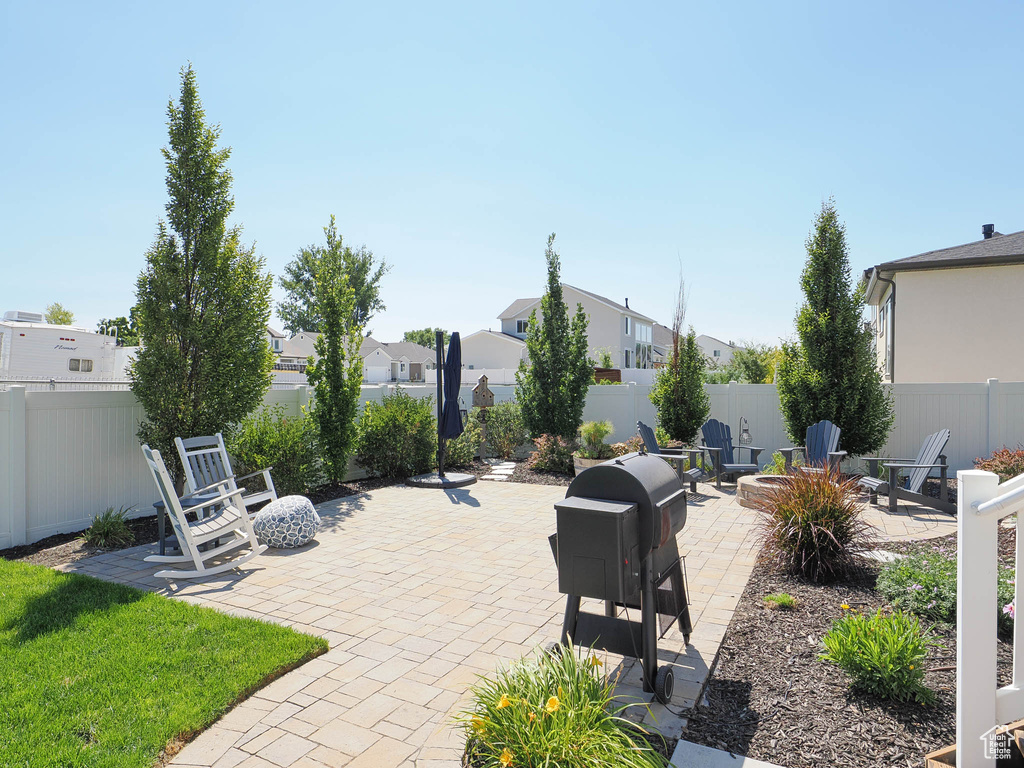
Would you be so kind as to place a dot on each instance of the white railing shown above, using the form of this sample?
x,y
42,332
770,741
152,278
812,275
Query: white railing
x,y
980,707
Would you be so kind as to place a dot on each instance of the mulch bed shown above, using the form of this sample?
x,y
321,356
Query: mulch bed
x,y
63,548
523,474
771,698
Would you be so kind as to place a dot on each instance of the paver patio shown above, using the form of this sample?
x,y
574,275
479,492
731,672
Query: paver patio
x,y
420,591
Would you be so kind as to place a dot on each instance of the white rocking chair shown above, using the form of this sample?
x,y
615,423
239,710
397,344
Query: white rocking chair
x,y
207,463
226,520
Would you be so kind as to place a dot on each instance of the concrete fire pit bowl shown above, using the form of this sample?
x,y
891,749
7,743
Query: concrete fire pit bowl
x,y
751,490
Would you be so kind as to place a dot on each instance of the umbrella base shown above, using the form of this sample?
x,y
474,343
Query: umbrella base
x,y
434,480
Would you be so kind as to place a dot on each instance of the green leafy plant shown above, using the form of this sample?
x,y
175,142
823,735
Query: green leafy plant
x,y
58,314
924,582
552,389
592,435
678,392
552,454
109,529
605,358
203,298
780,601
461,451
1005,462
777,466
398,436
268,438
663,437
336,373
426,337
506,430
556,709
811,526
883,653
832,372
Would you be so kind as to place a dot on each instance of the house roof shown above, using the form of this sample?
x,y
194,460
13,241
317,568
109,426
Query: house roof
x,y
661,336
518,306
723,343
275,334
416,353
299,345
998,249
497,334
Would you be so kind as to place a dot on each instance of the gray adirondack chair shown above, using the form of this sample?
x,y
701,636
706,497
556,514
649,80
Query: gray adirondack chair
x,y
928,458
676,456
206,462
820,448
222,525
718,443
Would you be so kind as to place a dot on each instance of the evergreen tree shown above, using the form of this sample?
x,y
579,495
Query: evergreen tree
x,y
831,373
678,392
552,390
203,299
300,310
337,374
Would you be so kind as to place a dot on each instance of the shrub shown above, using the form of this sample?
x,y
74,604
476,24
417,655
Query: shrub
x,y
268,438
592,435
678,392
554,710
109,529
883,653
663,437
777,466
633,445
505,429
553,454
1006,462
780,601
398,436
811,526
464,449
925,583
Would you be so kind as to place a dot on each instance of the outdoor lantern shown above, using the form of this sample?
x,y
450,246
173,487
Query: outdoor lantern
x,y
745,438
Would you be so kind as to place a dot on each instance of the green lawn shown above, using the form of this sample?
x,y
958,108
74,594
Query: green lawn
x,y
99,674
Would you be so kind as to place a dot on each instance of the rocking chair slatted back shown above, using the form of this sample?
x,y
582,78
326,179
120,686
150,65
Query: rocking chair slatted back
x,y
718,435
822,439
205,460
931,449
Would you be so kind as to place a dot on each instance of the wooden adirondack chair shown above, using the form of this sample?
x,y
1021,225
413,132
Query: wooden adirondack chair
x,y
928,458
206,462
677,456
820,448
225,520
718,443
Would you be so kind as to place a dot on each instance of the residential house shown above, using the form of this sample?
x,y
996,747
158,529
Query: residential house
x,y
951,315
275,340
622,332
395,361
718,352
296,351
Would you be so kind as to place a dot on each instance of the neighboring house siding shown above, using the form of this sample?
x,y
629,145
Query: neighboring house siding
x,y
488,350
959,325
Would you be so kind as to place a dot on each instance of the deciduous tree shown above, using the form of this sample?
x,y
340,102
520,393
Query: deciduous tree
x,y
57,314
426,337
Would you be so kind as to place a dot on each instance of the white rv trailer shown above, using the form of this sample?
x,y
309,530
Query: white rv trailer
x,y
31,348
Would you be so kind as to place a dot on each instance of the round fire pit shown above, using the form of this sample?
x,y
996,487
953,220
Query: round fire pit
x,y
751,489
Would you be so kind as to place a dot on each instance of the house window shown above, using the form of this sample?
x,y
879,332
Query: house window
x,y
644,348
83,366
717,353
627,329
883,311
522,325
626,359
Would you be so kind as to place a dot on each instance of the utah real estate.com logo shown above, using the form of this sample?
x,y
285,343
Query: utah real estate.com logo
x,y
996,744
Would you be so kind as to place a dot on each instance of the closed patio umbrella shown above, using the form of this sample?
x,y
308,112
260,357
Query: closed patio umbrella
x,y
450,426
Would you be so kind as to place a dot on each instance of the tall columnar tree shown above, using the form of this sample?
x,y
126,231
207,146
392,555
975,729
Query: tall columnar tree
x,y
678,392
552,390
203,298
831,373
300,311
336,374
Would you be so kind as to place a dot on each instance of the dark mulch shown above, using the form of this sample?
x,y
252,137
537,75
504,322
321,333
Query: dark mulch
x,y
523,474
771,698
931,488
63,548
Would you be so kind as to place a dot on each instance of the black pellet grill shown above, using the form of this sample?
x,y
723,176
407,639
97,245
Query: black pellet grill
x,y
616,541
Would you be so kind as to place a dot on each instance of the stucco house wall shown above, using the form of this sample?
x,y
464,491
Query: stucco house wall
x,y
486,349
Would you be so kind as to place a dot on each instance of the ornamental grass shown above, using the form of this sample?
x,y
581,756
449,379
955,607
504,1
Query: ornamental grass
x,y
554,709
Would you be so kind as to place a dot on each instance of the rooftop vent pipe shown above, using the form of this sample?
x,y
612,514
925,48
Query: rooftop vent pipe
x,y
987,230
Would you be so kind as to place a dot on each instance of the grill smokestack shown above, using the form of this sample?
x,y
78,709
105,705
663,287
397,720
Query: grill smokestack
x,y
987,230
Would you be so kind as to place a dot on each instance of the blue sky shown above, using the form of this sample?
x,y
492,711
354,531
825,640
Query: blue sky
x,y
451,139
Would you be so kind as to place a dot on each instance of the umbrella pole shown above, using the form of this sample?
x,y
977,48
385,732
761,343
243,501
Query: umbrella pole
x,y
439,346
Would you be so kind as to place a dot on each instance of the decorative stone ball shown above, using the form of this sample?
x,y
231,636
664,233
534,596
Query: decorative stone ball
x,y
289,522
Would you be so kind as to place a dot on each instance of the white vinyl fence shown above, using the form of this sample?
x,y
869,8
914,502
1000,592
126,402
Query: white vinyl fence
x,y
66,456
980,707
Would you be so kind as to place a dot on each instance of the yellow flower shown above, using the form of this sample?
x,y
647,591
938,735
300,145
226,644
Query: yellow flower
x,y
911,666
596,662
504,701
478,724
845,607
532,717
552,706
506,758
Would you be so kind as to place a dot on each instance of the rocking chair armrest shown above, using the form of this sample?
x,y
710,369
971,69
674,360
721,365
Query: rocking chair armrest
x,y
254,474
216,500
209,487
